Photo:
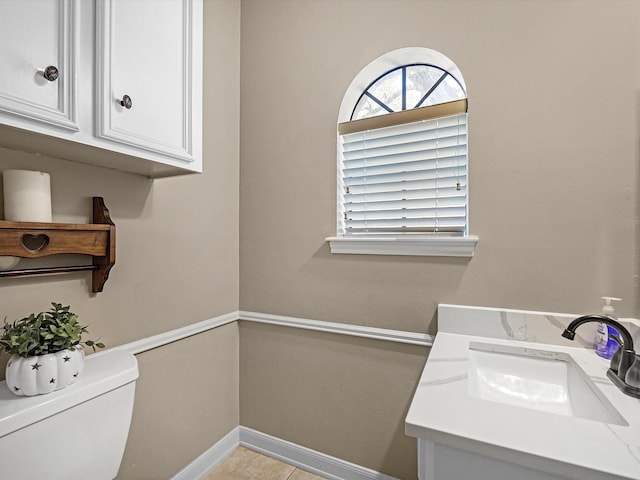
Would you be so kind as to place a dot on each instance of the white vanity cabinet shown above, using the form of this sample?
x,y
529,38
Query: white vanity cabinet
x,y
36,53
439,461
129,90
505,396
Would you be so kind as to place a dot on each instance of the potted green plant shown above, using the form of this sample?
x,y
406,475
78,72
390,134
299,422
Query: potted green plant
x,y
46,351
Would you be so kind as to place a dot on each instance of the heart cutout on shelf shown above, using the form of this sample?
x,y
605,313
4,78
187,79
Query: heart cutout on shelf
x,y
35,243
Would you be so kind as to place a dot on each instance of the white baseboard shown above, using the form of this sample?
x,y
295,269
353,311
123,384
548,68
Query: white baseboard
x,y
210,459
318,463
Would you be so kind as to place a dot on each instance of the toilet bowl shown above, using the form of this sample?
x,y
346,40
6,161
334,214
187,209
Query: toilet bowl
x,y
78,432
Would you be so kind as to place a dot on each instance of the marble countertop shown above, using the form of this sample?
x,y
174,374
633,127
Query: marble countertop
x,y
442,410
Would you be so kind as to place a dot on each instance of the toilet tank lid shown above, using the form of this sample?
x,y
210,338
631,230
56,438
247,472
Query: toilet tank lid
x,y
103,372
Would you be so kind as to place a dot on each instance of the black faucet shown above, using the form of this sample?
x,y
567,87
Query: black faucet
x,y
624,371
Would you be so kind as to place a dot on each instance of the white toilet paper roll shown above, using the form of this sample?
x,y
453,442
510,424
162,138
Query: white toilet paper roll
x,y
27,196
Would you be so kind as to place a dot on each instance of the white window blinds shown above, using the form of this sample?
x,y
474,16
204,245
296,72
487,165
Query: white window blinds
x,y
407,178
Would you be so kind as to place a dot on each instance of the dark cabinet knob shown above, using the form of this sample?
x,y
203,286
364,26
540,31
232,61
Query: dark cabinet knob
x,y
126,102
50,73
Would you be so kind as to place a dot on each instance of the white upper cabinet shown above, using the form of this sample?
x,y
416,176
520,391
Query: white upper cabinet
x,y
36,52
128,92
147,72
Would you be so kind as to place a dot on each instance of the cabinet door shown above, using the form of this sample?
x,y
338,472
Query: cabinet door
x,y
149,68
34,35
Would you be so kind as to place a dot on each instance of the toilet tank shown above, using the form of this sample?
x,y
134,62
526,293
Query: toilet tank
x,y
78,432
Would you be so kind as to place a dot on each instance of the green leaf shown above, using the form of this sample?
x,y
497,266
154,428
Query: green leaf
x,y
45,332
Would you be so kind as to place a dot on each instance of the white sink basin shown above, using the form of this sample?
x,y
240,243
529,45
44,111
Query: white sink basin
x,y
537,379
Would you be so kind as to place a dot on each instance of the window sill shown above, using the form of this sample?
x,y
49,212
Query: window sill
x,y
424,246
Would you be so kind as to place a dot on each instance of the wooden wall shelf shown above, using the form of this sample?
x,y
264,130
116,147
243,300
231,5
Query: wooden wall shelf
x,y
36,240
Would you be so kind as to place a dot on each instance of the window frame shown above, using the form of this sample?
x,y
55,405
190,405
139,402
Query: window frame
x,y
398,244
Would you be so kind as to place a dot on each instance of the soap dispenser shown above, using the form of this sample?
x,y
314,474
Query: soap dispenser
x,y
605,346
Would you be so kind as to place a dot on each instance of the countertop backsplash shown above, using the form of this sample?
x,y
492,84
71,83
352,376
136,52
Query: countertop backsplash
x,y
522,325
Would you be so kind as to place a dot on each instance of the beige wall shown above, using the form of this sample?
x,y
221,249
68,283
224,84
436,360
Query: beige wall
x,y
343,396
186,401
554,133
553,90
553,124
177,264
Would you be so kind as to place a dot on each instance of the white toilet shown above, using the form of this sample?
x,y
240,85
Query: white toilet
x,y
78,432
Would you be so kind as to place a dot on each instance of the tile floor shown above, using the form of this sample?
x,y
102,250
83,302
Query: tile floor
x,y
244,464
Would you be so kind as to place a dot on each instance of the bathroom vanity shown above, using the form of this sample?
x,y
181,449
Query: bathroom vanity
x,y
504,396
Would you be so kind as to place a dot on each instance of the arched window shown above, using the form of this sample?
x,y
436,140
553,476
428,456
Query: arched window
x,y
402,158
408,87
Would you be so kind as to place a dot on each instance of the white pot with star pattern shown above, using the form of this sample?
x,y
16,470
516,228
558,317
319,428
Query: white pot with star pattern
x,y
27,376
